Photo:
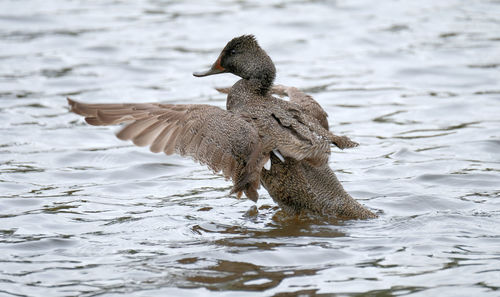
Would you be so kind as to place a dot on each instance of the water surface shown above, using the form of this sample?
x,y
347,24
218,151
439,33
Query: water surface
x,y
84,214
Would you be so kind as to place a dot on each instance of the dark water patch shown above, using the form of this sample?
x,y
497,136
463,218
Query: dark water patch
x,y
20,94
31,105
360,89
437,94
447,128
64,208
229,275
29,18
121,220
55,73
387,118
442,94
484,66
449,34
422,136
27,124
76,93
431,148
285,226
16,36
487,92
182,49
108,49
155,12
479,180
16,167
39,244
397,28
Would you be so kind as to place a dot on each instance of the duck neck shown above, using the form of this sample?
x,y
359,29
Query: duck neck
x,y
251,86
262,81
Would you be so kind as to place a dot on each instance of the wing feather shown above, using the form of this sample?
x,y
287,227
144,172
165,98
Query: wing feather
x,y
159,143
312,108
135,128
210,135
148,135
308,104
172,138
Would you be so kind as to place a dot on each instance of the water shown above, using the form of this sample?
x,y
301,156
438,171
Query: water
x,y
84,214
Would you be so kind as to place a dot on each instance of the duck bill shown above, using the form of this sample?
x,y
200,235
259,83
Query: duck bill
x,y
215,69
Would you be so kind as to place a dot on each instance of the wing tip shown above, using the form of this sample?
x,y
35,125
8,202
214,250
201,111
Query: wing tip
x,y
223,90
72,103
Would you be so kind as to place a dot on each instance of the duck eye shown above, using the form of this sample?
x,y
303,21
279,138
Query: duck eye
x,y
232,52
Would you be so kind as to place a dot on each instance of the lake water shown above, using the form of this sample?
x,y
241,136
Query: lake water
x,y
416,83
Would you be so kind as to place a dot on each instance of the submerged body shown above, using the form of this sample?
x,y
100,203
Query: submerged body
x,y
298,187
256,128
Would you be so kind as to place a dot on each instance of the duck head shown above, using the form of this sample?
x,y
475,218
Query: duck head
x,y
244,57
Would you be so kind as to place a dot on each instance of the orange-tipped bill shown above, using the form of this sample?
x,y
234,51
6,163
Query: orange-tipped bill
x,y
215,69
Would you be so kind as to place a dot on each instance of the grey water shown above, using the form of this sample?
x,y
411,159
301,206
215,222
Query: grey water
x,y
416,83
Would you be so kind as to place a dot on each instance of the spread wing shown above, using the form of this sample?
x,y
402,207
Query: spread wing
x,y
210,135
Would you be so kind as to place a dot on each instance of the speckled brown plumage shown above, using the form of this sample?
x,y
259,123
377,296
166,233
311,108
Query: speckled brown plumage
x,y
255,128
299,187
213,136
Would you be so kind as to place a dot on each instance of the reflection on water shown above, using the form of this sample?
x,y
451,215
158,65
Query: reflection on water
x,y
84,214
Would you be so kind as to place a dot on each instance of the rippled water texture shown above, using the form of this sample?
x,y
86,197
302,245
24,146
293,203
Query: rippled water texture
x,y
84,214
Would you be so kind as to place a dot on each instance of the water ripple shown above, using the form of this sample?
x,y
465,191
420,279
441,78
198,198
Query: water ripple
x,y
84,214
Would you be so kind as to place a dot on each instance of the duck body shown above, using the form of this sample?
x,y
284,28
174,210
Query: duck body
x,y
256,128
297,186
282,125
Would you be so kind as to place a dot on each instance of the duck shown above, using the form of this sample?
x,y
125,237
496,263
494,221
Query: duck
x,y
259,139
